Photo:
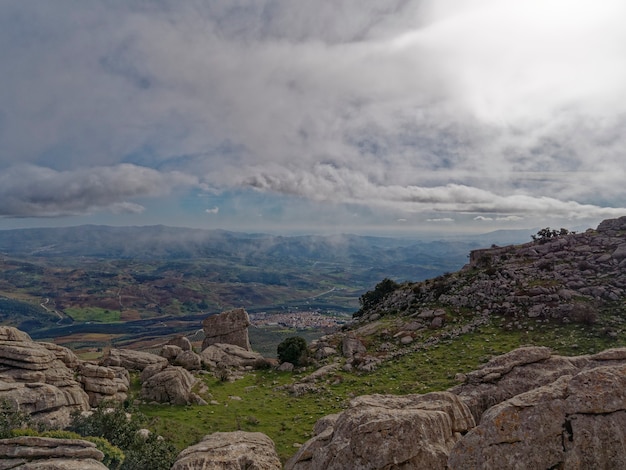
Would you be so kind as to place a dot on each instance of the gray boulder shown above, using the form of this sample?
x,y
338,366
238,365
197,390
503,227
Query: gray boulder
x,y
170,385
131,359
230,450
384,431
30,453
230,327
575,422
229,355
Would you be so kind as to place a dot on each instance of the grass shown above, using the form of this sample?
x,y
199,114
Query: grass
x,y
94,314
264,406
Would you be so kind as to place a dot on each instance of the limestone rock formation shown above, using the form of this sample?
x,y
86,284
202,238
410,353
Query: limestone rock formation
x,y
30,453
104,383
575,422
383,431
131,359
179,357
9,333
169,385
230,450
230,327
35,377
229,355
182,342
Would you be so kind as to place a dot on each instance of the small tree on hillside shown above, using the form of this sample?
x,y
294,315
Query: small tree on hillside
x,y
293,350
373,297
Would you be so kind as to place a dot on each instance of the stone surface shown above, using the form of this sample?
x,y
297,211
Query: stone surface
x,y
383,431
170,385
130,359
229,355
47,453
575,422
182,342
230,450
103,383
230,327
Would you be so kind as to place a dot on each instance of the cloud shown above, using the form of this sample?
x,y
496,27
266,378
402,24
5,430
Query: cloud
x,y
31,191
502,109
213,210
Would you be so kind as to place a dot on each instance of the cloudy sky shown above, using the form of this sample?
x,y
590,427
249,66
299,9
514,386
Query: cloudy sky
x,y
396,116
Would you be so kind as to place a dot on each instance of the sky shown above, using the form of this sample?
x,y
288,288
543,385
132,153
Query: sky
x,y
362,116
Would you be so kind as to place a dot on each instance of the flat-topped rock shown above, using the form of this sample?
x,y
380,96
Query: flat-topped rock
x,y
230,450
131,359
29,453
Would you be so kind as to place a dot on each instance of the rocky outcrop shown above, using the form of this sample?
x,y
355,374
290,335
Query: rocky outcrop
x,y
221,355
564,277
230,450
29,453
181,342
179,357
575,422
169,384
35,377
230,327
383,431
131,360
534,409
104,383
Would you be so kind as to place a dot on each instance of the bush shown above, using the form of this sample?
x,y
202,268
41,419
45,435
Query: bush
x,y
11,417
111,422
373,297
294,350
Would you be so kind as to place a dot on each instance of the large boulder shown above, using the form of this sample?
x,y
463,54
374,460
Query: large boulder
x,y
103,383
170,385
384,431
35,377
575,422
180,357
30,453
230,450
131,359
10,333
230,327
228,355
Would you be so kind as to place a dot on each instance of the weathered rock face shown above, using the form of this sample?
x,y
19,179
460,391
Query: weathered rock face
x,y
35,377
382,431
169,385
552,278
29,453
9,333
181,342
228,355
575,422
230,450
179,357
131,360
230,327
104,383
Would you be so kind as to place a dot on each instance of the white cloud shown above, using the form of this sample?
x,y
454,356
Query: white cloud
x,y
494,108
213,210
441,219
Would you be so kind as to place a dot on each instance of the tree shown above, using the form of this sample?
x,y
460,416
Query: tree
x,y
546,234
293,349
373,297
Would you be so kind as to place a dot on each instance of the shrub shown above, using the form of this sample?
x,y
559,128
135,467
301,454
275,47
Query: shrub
x,y
294,350
11,417
111,422
373,297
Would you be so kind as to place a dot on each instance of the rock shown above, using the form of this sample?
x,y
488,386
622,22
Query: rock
x,y
574,422
188,360
351,346
170,385
9,333
383,431
230,450
182,342
170,352
46,453
230,327
103,383
130,359
285,367
229,355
